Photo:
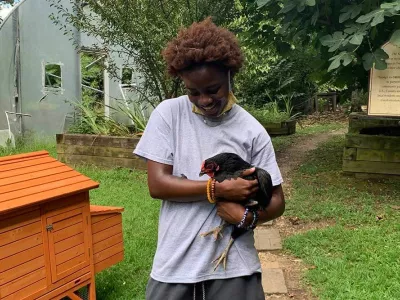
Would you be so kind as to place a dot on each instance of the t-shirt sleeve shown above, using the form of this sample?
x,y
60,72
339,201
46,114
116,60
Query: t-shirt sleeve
x,y
263,156
156,141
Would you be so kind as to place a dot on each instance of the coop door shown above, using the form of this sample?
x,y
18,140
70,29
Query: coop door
x,y
68,242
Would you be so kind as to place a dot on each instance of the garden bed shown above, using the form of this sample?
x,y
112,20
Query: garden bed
x,y
372,147
282,128
102,151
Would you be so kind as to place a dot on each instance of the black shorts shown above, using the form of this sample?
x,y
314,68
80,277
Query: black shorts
x,y
240,288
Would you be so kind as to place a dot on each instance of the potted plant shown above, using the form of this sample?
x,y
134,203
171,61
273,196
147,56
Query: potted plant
x,y
275,120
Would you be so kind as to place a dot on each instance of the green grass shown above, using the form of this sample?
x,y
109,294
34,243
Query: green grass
x,y
30,144
358,256
122,187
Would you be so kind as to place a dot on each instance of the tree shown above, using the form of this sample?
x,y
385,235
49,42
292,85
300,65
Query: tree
x,y
139,30
267,74
348,34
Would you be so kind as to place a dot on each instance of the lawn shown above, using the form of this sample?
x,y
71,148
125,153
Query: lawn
x,y
358,256
122,187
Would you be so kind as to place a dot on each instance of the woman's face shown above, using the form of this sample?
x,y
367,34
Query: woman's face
x,y
208,88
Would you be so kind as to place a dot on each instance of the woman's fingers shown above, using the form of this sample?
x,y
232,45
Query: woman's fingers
x,y
237,190
254,189
254,183
248,171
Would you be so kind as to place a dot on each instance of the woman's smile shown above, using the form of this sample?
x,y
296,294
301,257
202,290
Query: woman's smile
x,y
208,88
210,109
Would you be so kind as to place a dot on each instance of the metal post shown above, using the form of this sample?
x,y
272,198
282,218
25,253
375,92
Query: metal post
x,y
106,87
17,105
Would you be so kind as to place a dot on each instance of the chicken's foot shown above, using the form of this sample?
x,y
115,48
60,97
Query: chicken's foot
x,y
216,232
224,256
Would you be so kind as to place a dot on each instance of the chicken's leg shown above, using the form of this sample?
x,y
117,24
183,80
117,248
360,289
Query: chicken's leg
x,y
216,232
224,255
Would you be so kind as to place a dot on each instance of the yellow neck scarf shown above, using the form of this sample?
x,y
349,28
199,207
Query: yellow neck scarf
x,y
231,101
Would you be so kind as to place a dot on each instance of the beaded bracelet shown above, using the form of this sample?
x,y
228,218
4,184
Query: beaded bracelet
x,y
213,190
243,220
255,220
210,192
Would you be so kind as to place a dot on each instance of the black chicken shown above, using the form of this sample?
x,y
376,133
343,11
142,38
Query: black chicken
x,y
227,166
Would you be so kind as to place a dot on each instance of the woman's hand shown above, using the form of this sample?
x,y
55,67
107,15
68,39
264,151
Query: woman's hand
x,y
230,212
237,190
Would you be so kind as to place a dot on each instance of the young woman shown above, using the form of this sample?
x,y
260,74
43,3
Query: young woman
x,y
180,134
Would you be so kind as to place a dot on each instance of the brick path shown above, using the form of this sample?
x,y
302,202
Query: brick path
x,y
267,238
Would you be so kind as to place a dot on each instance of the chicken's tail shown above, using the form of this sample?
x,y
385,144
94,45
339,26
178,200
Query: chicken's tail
x,y
265,184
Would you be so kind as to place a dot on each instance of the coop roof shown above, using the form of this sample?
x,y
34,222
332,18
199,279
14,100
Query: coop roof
x,y
35,177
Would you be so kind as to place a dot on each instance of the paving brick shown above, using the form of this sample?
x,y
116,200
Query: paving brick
x,y
268,232
273,281
262,244
276,243
266,224
267,239
271,265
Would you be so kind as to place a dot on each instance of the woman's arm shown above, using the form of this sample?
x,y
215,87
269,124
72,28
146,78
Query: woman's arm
x,y
163,185
276,207
233,212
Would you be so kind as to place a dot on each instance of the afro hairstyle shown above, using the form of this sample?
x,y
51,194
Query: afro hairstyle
x,y
203,43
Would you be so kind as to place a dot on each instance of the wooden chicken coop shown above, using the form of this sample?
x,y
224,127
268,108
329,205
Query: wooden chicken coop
x,y
52,241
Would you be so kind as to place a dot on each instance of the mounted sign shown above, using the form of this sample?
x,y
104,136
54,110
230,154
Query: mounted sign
x,y
384,89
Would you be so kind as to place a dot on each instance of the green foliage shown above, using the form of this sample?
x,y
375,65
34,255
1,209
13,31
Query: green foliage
x,y
138,30
348,35
135,113
268,72
271,112
378,57
268,113
92,120
53,75
342,58
92,73
269,76
395,38
322,104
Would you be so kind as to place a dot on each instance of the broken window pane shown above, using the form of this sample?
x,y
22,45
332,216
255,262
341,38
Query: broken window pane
x,y
127,76
92,70
52,76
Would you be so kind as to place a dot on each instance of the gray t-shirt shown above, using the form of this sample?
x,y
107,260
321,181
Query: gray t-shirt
x,y
178,137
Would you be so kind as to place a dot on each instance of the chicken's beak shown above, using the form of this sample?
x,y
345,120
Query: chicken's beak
x,y
202,173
